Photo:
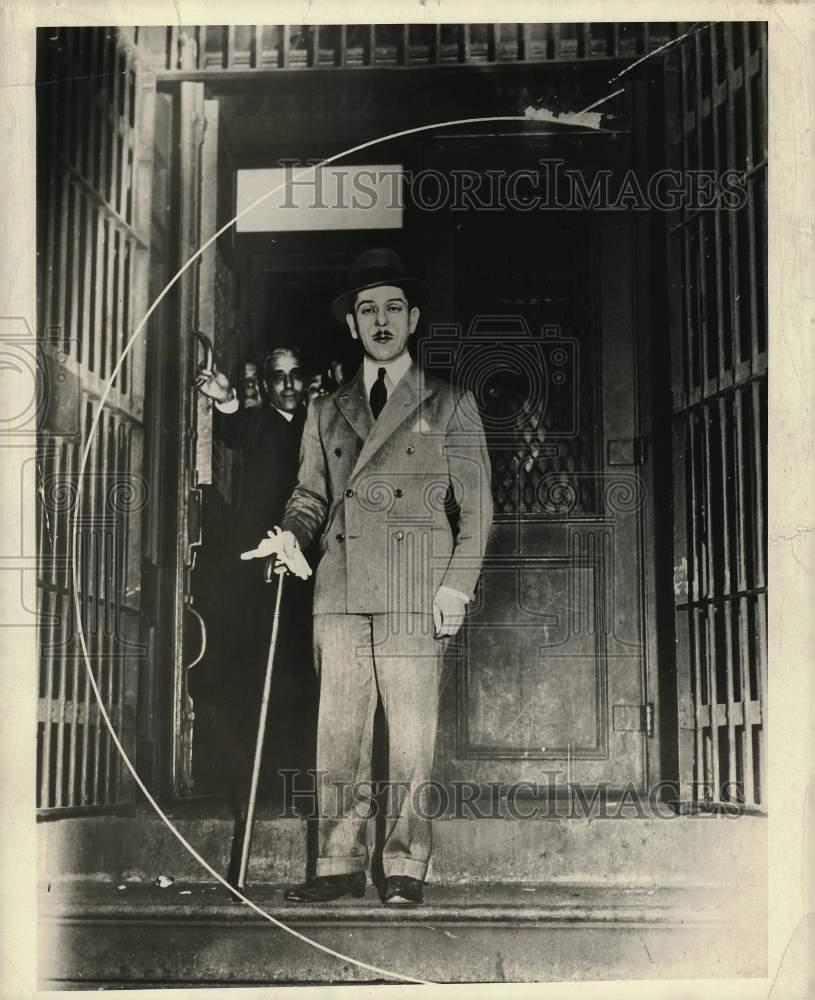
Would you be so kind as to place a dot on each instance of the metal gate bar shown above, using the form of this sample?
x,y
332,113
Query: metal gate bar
x,y
716,85
89,281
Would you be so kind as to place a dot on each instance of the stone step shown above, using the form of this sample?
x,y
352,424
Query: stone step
x,y
97,934
676,851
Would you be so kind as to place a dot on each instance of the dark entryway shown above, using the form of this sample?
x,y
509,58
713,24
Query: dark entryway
x,y
538,315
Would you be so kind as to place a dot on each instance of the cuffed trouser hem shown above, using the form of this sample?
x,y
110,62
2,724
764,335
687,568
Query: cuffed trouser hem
x,y
405,866
341,866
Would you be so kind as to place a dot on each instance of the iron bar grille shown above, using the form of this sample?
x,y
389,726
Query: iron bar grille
x,y
716,87
263,47
91,286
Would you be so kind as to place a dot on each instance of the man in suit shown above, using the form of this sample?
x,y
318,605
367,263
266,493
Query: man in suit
x,y
384,460
263,422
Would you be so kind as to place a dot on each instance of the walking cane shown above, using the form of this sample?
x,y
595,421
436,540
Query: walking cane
x,y
268,576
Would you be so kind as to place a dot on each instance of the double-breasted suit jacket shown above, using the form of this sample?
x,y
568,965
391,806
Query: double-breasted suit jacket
x,y
381,492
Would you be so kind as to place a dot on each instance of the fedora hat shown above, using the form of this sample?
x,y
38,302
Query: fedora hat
x,y
372,269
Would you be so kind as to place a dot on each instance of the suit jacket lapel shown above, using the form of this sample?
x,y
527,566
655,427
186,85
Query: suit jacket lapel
x,y
353,404
405,398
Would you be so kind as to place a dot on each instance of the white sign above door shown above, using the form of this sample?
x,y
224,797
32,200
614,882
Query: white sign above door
x,y
301,198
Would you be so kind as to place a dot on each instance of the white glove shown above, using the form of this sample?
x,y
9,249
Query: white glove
x,y
285,546
448,612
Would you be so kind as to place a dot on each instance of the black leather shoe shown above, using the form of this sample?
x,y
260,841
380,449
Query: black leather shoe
x,y
403,889
327,887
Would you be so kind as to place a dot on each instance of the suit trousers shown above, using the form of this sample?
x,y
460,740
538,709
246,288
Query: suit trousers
x,y
359,657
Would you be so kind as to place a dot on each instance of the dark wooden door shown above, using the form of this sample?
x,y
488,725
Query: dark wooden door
x,y
200,288
550,672
179,439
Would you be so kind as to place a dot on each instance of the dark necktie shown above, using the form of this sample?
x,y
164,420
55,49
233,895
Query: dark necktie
x,y
379,394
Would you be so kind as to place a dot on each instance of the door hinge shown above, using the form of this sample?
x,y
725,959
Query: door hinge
x,y
648,711
628,451
633,718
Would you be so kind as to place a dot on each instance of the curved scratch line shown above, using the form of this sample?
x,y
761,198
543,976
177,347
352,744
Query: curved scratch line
x,y
661,48
86,451
602,100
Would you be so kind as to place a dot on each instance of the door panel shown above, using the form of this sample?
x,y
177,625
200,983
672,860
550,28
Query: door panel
x,y
207,292
157,566
198,164
519,709
550,670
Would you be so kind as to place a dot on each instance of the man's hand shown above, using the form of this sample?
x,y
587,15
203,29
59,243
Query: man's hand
x,y
285,546
448,612
214,384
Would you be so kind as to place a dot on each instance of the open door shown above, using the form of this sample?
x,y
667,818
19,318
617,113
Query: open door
x,y
199,311
180,458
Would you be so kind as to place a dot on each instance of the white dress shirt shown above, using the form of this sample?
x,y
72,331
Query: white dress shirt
x,y
395,370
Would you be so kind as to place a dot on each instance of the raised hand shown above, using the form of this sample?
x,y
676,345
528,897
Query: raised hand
x,y
213,383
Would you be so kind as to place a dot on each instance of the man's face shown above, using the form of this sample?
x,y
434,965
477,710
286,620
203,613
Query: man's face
x,y
383,321
250,385
316,387
285,382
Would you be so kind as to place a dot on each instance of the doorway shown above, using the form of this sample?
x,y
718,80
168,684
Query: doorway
x,y
551,672
554,671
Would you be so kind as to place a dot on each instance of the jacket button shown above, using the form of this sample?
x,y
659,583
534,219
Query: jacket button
x,y
338,452
349,492
398,493
399,535
410,449
340,537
